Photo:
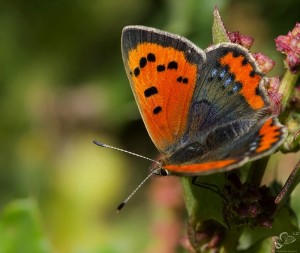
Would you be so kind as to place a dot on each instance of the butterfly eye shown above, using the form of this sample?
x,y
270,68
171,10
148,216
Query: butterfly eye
x,y
162,172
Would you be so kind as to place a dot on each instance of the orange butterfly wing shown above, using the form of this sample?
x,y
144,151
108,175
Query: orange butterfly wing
x,y
163,75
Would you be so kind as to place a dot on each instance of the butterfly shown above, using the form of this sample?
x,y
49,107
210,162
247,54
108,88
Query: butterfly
x,y
206,111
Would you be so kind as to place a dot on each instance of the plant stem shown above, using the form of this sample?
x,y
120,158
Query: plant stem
x,y
257,170
287,85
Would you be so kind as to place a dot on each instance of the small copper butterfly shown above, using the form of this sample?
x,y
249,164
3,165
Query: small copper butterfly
x,y
206,111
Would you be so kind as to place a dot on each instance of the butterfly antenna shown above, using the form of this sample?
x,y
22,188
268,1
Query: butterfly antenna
x,y
136,189
157,171
101,144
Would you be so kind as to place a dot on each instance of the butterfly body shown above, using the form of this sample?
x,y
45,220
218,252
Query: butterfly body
x,y
205,110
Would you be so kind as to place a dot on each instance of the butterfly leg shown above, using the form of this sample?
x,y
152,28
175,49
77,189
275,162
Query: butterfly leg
x,y
214,188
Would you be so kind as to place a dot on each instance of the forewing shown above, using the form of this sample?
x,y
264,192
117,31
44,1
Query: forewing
x,y
163,70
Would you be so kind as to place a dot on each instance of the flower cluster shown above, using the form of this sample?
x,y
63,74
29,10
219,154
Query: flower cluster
x,y
237,37
290,45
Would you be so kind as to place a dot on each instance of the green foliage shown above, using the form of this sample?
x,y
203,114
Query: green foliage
x,y
21,229
62,84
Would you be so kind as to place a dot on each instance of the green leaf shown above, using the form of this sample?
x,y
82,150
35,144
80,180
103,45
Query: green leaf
x,y
203,203
260,239
219,33
21,229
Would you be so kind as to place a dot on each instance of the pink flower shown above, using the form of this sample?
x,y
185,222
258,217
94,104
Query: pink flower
x,y
264,62
290,45
237,37
272,86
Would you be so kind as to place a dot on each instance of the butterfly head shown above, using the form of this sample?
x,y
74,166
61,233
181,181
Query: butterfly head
x,y
159,170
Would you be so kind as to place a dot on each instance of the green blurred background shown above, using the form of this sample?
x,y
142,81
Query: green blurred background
x,y
62,85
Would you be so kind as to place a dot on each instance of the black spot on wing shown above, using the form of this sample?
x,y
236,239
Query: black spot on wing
x,y
150,91
185,80
173,65
161,68
245,62
236,53
252,73
181,79
136,71
151,57
143,62
157,110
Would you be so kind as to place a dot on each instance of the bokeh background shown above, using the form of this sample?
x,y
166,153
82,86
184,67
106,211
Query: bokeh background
x,y
62,84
